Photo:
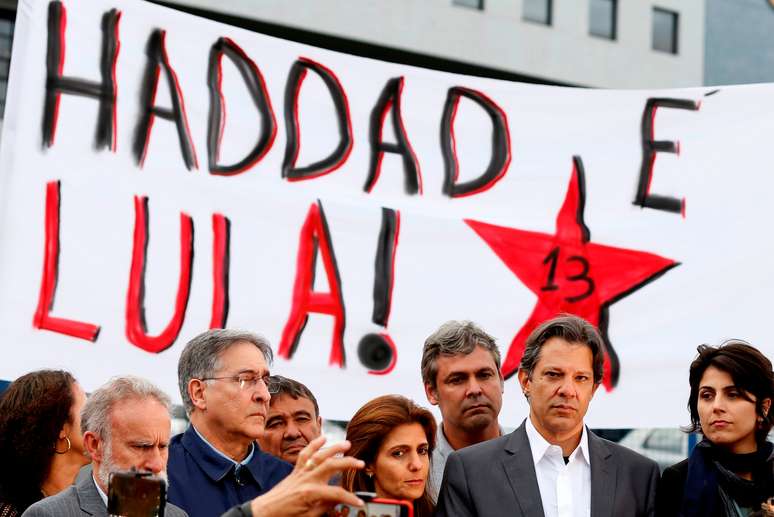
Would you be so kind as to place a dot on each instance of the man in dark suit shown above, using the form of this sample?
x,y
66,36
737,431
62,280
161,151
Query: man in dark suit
x,y
126,425
552,465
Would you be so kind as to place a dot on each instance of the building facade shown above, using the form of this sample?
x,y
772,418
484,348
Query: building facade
x,y
591,43
597,43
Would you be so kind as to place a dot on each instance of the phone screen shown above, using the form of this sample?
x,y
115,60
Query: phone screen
x,y
131,494
372,509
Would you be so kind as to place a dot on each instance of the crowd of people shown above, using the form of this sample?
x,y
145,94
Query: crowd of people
x,y
254,444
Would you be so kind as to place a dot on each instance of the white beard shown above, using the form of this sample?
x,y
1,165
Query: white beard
x,y
107,467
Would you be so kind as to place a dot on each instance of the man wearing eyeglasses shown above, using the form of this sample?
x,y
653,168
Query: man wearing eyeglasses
x,y
215,464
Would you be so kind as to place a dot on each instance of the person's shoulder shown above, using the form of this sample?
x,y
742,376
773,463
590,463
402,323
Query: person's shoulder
x,y
176,442
678,471
55,505
179,461
623,455
174,511
178,447
269,462
483,449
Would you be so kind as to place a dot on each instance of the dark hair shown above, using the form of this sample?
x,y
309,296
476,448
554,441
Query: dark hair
x,y
454,338
572,329
749,369
292,388
368,429
33,410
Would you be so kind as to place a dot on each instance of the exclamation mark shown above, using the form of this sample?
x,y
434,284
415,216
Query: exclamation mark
x,y
377,351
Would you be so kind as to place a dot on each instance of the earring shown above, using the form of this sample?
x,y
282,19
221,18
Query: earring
x,y
370,475
69,446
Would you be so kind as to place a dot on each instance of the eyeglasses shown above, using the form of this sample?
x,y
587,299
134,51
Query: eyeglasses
x,y
248,381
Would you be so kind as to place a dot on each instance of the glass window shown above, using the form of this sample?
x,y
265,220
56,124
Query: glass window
x,y
665,25
473,4
538,11
602,18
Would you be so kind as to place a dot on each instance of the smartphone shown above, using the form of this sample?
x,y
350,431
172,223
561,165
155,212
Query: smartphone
x,y
376,507
136,494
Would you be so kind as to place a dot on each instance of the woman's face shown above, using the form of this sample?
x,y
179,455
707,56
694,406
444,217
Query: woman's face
x,y
402,463
72,429
728,419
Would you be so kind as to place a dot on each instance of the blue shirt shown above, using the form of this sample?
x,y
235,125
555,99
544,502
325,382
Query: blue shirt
x,y
205,483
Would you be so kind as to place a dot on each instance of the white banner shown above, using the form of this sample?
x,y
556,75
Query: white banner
x,y
163,174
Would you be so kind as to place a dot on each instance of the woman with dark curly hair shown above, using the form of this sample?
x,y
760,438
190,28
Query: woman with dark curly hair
x,y
395,438
41,444
730,473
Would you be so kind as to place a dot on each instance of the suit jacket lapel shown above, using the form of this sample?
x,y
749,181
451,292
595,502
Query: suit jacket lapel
x,y
520,469
603,477
88,497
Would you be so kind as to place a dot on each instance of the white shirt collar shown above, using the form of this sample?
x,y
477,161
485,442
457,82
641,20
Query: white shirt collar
x,y
539,445
102,494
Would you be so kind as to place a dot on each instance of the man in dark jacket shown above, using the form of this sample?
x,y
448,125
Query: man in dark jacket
x,y
223,377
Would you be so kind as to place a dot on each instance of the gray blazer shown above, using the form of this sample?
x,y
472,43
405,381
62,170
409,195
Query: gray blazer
x,y
497,477
81,499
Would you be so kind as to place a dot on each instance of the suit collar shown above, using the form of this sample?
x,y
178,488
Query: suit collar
x,y
88,497
603,477
521,472
523,480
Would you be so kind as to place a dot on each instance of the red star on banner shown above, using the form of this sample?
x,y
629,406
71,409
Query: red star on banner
x,y
570,274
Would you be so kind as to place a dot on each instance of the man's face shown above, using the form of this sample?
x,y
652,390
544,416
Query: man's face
x,y
469,390
290,425
139,438
560,388
239,413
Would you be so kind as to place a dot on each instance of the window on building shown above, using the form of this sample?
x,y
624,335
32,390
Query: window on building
x,y
473,4
6,38
602,18
665,30
538,11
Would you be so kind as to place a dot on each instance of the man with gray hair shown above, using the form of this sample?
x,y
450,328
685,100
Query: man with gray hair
x,y
215,464
461,374
126,425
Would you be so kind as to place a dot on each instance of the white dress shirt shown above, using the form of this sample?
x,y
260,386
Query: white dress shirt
x,y
102,494
565,490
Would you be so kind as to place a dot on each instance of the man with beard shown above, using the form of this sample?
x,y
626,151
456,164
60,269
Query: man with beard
x,y
293,420
461,374
126,425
